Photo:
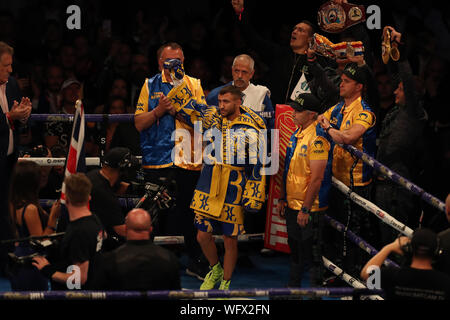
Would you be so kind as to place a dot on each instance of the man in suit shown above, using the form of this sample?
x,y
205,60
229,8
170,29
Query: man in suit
x,y
14,111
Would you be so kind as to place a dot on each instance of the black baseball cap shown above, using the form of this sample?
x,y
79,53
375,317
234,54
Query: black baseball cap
x,y
306,101
424,242
120,158
355,73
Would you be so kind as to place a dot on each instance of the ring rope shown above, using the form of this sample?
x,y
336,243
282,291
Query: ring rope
x,y
358,240
185,294
128,117
371,207
355,283
363,156
386,218
388,173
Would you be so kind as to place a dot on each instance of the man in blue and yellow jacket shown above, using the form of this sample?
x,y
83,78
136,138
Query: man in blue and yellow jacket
x,y
304,194
230,180
352,122
160,132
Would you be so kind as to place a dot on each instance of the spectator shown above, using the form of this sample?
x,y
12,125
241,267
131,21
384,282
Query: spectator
x,y
122,61
59,132
40,151
67,60
198,41
124,134
82,239
139,70
199,68
52,40
418,281
116,65
29,219
8,32
119,88
50,100
137,265
386,93
401,148
226,65
12,116
115,105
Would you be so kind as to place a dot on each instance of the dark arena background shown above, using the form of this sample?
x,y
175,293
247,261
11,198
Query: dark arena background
x,y
110,48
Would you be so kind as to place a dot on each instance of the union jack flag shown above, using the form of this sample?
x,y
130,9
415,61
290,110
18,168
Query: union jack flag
x,y
75,160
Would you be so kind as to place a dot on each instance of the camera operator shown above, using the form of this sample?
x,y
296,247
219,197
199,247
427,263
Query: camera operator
x,y
82,240
419,280
106,186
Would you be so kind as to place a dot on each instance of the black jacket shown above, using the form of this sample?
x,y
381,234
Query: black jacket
x,y
12,93
286,67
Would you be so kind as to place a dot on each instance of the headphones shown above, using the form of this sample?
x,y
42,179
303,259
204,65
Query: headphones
x,y
408,250
124,163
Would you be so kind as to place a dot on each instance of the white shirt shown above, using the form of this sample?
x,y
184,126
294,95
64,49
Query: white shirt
x,y
254,97
5,108
301,87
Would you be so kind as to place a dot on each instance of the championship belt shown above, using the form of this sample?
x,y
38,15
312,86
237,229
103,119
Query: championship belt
x,y
343,50
335,18
339,51
388,49
321,45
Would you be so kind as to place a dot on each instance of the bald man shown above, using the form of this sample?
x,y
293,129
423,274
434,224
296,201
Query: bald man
x,y
138,264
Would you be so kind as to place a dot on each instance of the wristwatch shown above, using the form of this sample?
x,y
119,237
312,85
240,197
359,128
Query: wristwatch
x,y
305,211
329,127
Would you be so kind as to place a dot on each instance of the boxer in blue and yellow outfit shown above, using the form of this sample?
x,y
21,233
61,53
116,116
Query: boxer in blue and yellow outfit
x,y
154,119
352,122
230,180
307,182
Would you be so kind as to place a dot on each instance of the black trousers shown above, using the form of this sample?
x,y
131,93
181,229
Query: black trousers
x,y
400,204
340,249
306,248
180,218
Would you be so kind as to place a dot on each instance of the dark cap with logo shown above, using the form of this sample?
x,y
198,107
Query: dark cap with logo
x,y
355,73
424,242
306,101
120,158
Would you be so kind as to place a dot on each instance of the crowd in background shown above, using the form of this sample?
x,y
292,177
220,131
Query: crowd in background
x,y
106,62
